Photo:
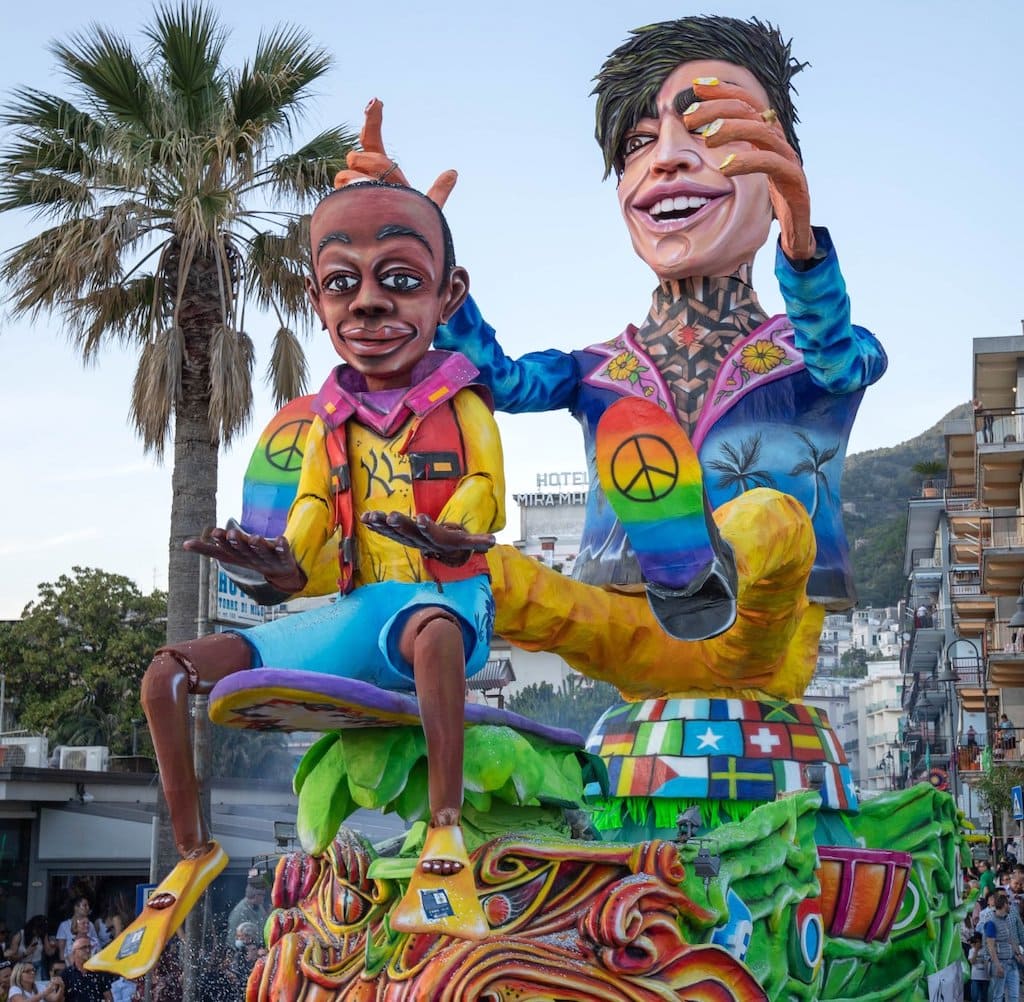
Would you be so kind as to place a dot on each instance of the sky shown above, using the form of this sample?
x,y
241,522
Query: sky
x,y
911,136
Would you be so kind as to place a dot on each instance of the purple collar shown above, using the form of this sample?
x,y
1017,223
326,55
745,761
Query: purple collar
x,y
437,377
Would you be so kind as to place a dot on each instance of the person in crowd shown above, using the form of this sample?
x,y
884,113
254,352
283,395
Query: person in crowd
x,y
977,957
6,969
1004,941
35,945
67,932
986,878
1007,732
252,908
81,985
24,985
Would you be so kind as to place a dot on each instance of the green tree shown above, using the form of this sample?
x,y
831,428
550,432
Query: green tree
x,y
75,659
853,663
163,174
995,786
574,705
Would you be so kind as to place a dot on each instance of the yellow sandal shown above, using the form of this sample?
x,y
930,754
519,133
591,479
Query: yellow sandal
x,y
138,948
442,904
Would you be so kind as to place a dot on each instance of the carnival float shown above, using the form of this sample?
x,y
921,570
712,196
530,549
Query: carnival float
x,y
705,842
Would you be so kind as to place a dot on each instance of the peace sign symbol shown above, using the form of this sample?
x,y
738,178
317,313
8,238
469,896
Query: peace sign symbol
x,y
645,468
284,450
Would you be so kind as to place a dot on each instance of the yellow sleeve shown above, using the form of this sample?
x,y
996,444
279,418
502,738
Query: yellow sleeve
x,y
478,504
311,517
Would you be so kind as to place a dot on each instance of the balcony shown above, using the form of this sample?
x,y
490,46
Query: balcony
x,y
960,450
1002,554
1000,450
1004,647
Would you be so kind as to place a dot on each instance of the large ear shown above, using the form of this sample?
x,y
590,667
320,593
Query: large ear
x,y
313,291
456,290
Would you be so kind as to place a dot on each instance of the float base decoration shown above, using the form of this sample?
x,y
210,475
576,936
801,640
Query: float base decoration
x,y
802,902
574,921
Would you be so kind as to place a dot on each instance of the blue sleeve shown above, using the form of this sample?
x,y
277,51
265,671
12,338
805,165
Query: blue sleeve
x,y
990,929
539,381
840,356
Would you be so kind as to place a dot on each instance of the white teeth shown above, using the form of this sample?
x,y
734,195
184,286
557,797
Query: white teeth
x,y
678,204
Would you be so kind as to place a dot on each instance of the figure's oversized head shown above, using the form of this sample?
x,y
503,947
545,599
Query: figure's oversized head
x,y
685,217
383,277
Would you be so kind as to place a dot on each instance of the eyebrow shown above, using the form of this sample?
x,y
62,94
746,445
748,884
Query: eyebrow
x,y
343,238
397,230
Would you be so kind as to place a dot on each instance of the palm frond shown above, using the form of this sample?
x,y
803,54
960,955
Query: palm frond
x,y
288,369
106,69
45,194
269,92
188,42
276,269
751,450
307,174
231,364
124,310
804,466
156,388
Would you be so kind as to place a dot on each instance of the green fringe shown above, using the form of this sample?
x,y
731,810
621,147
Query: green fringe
x,y
659,813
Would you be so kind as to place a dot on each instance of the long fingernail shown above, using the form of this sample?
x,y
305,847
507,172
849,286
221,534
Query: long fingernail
x,y
706,81
693,107
713,127
728,160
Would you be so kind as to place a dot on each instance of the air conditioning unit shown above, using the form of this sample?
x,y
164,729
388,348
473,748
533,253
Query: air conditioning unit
x,y
87,758
31,752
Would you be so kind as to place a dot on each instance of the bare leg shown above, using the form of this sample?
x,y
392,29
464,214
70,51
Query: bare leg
x,y
432,643
192,668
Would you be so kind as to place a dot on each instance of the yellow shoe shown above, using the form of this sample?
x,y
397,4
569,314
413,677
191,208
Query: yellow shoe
x,y
442,904
139,947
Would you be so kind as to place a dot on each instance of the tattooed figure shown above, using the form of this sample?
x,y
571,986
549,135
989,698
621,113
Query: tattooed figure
x,y
720,577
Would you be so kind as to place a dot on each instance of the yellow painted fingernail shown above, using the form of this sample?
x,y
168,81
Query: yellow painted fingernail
x,y
728,160
713,127
706,81
693,107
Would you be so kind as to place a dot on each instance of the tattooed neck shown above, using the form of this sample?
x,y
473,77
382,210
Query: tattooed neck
x,y
726,305
692,325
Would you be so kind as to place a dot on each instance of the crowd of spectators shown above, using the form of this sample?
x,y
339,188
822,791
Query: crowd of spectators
x,y
40,964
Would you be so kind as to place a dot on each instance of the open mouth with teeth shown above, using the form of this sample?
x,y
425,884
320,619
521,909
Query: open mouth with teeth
x,y
681,207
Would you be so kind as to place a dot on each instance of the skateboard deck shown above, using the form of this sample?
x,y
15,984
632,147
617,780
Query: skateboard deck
x,y
275,699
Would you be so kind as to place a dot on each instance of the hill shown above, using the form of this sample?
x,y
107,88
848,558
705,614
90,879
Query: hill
x,y
875,490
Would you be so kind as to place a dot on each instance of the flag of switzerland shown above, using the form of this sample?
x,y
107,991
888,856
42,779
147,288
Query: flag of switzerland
x,y
766,740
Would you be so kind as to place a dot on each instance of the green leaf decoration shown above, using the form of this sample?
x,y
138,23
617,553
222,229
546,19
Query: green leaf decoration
x,y
312,758
324,802
378,769
385,768
490,757
412,803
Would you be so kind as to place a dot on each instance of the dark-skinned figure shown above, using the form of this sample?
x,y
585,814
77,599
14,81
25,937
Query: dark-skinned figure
x,y
402,467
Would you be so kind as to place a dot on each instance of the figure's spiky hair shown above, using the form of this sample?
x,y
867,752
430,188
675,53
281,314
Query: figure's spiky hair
x,y
632,75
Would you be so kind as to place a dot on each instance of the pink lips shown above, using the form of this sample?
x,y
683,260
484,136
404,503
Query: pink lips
x,y
381,341
641,209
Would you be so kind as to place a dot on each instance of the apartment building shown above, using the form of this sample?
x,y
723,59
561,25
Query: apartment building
x,y
964,612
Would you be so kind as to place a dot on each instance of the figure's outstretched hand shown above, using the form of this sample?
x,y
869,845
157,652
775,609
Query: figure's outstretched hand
x,y
733,114
372,163
273,558
444,541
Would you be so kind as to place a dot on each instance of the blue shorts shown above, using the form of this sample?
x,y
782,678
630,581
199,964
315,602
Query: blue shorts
x,y
357,635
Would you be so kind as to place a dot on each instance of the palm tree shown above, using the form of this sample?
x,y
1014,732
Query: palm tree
x,y
814,464
736,469
162,174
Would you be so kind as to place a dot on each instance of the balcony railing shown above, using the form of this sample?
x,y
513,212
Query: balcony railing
x,y
999,426
926,558
1002,531
961,498
1001,638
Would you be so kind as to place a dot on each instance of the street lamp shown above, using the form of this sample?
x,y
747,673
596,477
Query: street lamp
x,y
949,677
